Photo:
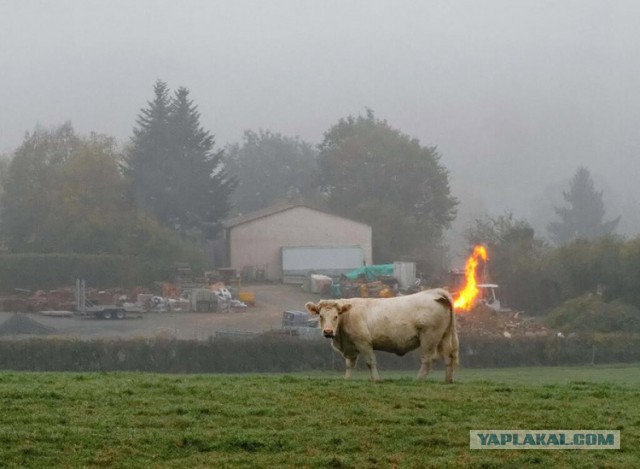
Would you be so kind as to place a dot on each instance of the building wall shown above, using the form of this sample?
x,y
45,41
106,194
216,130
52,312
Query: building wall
x,y
258,243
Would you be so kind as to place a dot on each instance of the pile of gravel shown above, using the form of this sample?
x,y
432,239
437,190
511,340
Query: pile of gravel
x,y
21,324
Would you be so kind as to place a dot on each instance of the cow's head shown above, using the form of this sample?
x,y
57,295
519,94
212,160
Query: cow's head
x,y
329,312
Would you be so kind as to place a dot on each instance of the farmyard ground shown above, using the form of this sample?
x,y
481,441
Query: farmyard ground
x,y
271,301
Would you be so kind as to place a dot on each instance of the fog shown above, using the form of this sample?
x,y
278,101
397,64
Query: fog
x,y
515,95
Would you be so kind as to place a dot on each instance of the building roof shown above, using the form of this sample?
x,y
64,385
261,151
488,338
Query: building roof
x,y
274,209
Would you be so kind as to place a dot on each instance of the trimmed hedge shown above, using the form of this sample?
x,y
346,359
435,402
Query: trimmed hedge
x,y
47,271
291,354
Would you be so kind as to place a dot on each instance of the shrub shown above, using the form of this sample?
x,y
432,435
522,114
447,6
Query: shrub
x,y
590,313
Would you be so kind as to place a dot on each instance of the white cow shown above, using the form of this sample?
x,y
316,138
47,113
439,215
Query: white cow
x,y
397,325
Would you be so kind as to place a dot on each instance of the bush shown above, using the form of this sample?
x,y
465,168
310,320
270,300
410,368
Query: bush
x,y
590,313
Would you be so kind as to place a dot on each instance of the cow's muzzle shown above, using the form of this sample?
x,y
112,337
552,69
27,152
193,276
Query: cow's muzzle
x,y
328,334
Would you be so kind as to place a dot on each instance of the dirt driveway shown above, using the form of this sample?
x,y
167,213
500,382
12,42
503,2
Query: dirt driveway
x,y
271,301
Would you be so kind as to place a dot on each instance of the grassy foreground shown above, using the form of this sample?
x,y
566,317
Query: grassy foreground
x,y
151,420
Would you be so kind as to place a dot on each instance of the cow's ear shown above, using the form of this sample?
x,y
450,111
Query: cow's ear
x,y
312,308
344,308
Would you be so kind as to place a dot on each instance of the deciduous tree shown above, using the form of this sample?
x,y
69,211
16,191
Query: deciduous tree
x,y
30,185
65,193
515,258
270,167
379,175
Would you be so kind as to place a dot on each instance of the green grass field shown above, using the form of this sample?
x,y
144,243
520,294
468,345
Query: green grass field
x,y
316,420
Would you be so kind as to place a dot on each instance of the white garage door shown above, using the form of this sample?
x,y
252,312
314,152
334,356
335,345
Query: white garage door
x,y
298,261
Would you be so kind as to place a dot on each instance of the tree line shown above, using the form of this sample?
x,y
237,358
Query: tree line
x,y
170,187
583,284
166,192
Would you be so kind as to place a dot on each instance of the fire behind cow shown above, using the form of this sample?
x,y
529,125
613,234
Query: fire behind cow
x,y
397,325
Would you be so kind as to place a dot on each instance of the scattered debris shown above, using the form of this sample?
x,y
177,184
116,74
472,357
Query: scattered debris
x,y
320,283
221,291
381,288
483,321
173,298
247,297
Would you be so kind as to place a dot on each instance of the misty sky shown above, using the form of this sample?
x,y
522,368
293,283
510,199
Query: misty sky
x,y
515,94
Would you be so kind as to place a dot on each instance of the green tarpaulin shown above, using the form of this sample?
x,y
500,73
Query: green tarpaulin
x,y
371,272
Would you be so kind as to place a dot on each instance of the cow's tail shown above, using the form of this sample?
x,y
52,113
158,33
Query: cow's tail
x,y
449,343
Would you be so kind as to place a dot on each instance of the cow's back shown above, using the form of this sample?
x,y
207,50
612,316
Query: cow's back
x,y
394,324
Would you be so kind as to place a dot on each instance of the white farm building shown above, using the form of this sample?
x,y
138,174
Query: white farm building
x,y
286,242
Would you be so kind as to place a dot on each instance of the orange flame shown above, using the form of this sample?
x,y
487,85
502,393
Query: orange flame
x,y
466,298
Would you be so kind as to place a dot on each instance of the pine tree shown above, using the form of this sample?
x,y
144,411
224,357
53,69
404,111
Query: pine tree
x,y
175,173
148,162
583,217
201,186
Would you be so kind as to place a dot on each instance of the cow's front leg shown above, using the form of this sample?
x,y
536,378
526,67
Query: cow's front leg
x,y
370,358
424,368
426,360
351,363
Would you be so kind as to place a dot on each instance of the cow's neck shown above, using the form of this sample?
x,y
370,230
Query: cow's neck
x,y
341,339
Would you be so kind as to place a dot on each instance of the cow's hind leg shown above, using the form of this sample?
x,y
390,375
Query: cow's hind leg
x,y
428,344
351,363
446,352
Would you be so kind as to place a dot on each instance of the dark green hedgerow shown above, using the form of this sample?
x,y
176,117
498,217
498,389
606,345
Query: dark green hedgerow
x,y
291,354
44,271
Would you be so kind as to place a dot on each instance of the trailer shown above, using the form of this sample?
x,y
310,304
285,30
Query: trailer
x,y
85,308
104,312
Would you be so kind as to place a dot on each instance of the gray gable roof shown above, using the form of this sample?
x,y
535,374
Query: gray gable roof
x,y
274,209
